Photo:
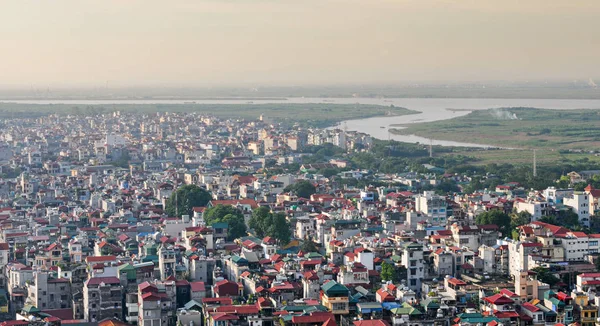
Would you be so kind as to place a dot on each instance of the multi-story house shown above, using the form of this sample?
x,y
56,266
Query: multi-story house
x,y
46,292
432,206
102,298
580,204
335,297
412,259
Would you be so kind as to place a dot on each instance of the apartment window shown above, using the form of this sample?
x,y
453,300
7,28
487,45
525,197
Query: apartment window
x,y
338,306
413,282
413,272
464,241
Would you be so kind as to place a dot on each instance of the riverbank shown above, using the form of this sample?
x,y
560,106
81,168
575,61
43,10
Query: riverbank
x,y
316,115
520,128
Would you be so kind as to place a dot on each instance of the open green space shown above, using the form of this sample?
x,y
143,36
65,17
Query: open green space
x,y
522,128
312,114
544,157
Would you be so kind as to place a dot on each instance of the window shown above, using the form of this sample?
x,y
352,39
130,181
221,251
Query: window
x,y
413,282
338,306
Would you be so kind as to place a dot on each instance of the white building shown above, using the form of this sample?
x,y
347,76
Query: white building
x,y
576,246
412,259
580,204
433,206
536,208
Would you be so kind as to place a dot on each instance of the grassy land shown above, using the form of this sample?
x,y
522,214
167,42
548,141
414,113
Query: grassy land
x,y
523,128
316,115
544,157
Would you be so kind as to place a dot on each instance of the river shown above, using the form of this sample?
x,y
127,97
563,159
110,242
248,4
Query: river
x,y
431,109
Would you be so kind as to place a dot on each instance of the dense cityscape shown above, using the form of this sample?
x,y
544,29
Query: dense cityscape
x,y
299,163
186,219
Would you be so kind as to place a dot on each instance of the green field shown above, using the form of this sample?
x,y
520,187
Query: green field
x,y
315,115
522,128
544,157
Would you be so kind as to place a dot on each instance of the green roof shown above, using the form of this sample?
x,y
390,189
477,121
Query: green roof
x,y
31,309
125,267
192,304
370,305
412,245
475,318
313,255
333,287
239,260
221,225
304,308
430,304
556,302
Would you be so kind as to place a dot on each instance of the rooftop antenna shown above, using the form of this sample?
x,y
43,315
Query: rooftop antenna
x,y
345,127
534,164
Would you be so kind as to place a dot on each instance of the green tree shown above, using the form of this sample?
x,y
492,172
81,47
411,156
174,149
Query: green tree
x,y
388,272
265,223
260,221
308,246
544,275
280,229
302,188
518,219
185,198
497,217
328,172
236,226
580,186
568,218
548,219
563,182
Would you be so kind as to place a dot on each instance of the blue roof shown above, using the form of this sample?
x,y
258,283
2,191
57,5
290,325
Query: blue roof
x,y
390,305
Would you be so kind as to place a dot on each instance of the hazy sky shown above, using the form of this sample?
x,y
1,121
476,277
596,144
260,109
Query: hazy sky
x,y
225,42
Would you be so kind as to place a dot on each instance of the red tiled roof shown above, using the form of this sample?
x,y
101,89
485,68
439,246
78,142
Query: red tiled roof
x,y
96,259
376,322
197,286
241,309
313,318
506,314
530,307
455,281
226,301
105,280
498,299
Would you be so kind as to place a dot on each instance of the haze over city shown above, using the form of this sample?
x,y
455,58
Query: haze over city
x,y
72,43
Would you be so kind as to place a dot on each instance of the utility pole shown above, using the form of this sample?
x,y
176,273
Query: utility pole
x,y
430,148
